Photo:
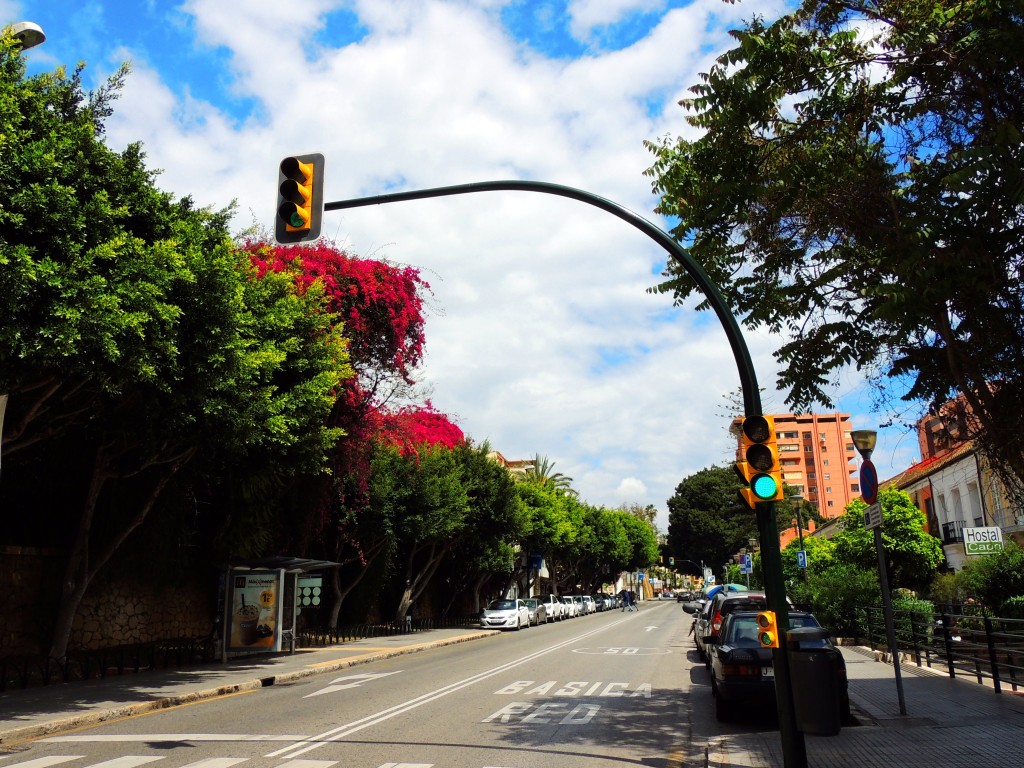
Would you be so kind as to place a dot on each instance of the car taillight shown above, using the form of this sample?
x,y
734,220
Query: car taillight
x,y
716,623
740,670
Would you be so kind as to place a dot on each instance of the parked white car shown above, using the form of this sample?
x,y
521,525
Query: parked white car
x,y
506,613
589,604
554,607
571,607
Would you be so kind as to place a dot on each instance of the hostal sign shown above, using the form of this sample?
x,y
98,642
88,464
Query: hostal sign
x,y
982,541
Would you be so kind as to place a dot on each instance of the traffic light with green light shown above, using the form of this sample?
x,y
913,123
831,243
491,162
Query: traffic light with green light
x,y
300,198
758,467
767,630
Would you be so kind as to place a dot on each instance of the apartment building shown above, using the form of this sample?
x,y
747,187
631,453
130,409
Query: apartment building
x,y
818,460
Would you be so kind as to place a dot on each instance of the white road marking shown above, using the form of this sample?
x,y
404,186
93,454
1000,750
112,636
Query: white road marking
x,y
307,764
355,682
216,762
342,731
127,761
45,762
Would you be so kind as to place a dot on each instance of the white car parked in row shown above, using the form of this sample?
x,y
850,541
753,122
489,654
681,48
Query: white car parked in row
x,y
507,613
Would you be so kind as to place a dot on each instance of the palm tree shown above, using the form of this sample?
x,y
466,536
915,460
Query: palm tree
x,y
542,472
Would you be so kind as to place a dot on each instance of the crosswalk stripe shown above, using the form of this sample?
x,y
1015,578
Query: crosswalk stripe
x,y
216,762
127,761
45,762
307,764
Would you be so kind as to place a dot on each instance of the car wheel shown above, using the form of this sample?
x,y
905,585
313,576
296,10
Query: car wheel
x,y
519,623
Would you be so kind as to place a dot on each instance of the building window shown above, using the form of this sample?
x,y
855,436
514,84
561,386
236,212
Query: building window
x,y
828,489
812,475
828,476
830,504
789,435
824,462
855,487
788,448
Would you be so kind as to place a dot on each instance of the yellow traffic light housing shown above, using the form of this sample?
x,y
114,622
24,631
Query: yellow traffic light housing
x,y
759,467
300,198
767,630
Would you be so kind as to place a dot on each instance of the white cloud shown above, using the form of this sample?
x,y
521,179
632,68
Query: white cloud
x,y
585,15
543,339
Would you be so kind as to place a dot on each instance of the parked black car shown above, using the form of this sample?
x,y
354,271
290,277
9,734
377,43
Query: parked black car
x,y
742,672
713,613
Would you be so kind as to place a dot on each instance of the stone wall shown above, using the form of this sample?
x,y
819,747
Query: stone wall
x,y
113,612
124,613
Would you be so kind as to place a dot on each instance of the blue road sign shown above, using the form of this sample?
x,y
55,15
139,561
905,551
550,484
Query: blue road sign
x,y
801,558
868,482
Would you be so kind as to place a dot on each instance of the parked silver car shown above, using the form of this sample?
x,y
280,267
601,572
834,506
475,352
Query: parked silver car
x,y
506,613
538,611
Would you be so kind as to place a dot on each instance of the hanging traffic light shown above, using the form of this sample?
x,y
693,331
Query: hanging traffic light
x,y
758,466
300,198
767,630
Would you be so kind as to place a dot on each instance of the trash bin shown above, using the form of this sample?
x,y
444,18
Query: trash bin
x,y
814,675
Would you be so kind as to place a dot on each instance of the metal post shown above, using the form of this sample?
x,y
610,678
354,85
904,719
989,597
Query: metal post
x,y
890,628
800,534
793,750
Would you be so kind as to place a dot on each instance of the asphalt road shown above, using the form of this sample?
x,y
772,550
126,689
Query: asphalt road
x,y
610,689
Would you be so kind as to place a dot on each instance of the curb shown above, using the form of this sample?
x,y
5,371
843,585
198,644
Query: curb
x,y
29,732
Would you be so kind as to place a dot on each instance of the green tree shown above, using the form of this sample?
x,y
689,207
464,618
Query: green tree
x,y
135,333
994,579
854,182
542,472
431,514
706,522
912,554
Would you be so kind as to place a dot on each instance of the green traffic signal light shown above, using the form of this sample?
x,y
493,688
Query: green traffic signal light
x,y
765,487
300,198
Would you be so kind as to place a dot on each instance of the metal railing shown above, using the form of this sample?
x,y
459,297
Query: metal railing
x,y
39,670
987,648
317,638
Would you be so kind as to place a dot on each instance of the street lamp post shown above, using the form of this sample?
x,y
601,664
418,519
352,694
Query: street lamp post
x,y
864,440
798,500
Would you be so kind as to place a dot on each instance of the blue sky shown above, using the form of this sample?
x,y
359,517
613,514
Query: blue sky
x,y
541,337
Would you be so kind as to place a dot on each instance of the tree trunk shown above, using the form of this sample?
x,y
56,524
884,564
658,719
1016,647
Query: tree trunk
x,y
81,569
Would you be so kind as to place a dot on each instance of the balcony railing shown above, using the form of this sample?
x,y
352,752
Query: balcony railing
x,y
953,532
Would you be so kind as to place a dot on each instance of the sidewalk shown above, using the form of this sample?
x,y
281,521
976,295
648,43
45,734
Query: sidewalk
x,y
954,723
28,714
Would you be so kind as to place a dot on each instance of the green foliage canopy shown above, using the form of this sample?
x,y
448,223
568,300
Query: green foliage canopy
x,y
857,184
912,554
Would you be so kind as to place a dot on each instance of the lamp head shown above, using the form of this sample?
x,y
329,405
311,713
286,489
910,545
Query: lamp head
x,y
864,440
28,33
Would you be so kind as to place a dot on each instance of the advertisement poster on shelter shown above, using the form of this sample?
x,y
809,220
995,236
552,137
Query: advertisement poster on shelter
x,y
254,611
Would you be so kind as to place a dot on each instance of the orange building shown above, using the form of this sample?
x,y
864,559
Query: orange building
x,y
817,456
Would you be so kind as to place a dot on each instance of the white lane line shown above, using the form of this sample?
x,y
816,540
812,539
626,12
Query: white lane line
x,y
307,764
336,734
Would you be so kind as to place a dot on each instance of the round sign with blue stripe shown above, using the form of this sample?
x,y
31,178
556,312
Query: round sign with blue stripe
x,y
868,482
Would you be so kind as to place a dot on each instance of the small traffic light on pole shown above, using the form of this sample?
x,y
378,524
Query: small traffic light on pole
x,y
300,198
767,630
758,466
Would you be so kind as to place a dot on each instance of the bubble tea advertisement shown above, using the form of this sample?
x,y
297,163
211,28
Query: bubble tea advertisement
x,y
255,605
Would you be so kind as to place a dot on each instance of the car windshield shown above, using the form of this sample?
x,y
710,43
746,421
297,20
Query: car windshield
x,y
531,603
502,605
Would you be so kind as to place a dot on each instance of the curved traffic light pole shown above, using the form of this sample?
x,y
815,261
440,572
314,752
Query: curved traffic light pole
x,y
794,751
